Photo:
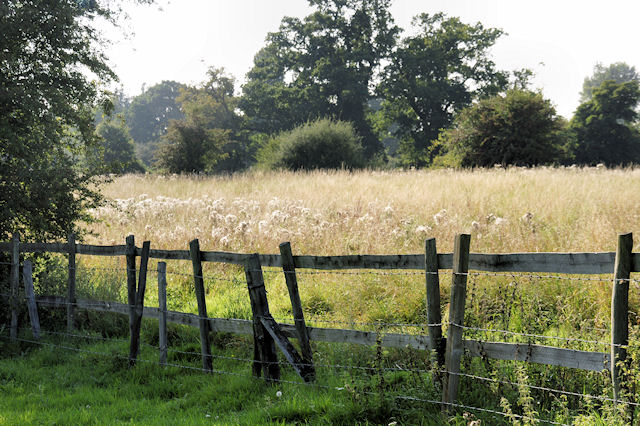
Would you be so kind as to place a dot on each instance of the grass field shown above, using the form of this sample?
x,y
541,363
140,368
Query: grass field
x,y
333,213
513,210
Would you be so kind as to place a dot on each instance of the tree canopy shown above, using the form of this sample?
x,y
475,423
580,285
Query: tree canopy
x,y
519,128
210,138
321,66
47,112
115,152
604,126
434,74
620,72
149,113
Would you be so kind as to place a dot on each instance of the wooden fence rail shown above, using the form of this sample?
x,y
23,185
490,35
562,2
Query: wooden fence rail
x,y
623,263
560,263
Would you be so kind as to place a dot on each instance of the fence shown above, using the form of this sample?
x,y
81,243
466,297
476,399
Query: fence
x,y
270,334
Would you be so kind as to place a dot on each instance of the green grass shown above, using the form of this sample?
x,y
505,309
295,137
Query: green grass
x,y
43,384
89,382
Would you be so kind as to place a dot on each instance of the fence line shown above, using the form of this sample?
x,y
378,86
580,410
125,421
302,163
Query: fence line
x,y
566,263
460,265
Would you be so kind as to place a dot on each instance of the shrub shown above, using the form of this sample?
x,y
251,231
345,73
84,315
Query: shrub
x,y
518,128
321,144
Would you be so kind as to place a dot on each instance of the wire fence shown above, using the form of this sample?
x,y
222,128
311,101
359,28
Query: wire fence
x,y
517,281
339,367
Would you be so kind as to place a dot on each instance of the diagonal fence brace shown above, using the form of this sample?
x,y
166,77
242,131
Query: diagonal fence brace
x,y
304,370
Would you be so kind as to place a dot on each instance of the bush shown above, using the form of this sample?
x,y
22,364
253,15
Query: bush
x,y
519,128
321,144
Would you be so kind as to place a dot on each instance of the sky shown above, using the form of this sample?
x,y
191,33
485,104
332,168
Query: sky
x,y
560,40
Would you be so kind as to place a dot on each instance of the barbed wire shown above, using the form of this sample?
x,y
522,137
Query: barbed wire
x,y
541,276
341,272
484,410
80,336
372,323
540,336
542,388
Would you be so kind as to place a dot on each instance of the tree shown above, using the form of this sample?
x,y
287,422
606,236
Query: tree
x,y
321,144
115,152
321,66
149,114
210,137
433,75
47,113
518,128
620,72
190,148
604,126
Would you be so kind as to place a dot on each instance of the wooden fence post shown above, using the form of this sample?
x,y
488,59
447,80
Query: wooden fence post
x,y
27,277
265,358
198,278
139,303
162,306
71,284
131,283
620,312
14,279
296,306
455,346
434,316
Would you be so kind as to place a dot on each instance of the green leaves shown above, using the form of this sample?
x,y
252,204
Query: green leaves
x,y
520,128
47,113
321,66
322,144
604,126
435,74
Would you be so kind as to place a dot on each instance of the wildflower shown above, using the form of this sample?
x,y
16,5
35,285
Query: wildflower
x,y
422,229
500,221
527,217
242,227
440,217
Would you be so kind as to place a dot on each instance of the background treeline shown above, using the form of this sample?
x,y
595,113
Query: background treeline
x,y
429,96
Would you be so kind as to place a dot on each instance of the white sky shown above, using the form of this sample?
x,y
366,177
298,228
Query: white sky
x,y
559,40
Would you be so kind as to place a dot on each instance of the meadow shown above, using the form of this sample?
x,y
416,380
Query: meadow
x,y
376,212
368,212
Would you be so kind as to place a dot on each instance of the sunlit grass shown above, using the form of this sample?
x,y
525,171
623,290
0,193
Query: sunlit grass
x,y
513,210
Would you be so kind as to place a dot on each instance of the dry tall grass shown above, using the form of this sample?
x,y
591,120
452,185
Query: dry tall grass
x,y
512,210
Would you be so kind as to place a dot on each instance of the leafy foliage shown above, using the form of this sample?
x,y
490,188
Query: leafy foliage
x,y
433,75
519,128
190,148
211,137
116,152
46,113
149,114
322,144
321,66
604,126
620,72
